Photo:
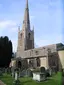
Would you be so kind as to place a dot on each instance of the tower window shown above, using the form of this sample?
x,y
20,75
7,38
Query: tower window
x,y
21,35
29,35
36,52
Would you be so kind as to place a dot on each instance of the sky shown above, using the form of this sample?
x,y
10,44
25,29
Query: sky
x,y
45,15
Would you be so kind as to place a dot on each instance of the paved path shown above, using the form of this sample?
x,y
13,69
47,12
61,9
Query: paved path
x,y
1,83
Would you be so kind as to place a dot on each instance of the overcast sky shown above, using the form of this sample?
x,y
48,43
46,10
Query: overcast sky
x,y
45,15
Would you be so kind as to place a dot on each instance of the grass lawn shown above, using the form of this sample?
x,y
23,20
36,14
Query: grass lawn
x,y
55,80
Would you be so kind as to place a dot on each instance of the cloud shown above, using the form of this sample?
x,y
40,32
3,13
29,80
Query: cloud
x,y
7,23
9,28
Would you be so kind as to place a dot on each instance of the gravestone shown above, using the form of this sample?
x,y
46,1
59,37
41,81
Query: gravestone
x,y
16,76
39,76
0,72
42,69
13,72
16,81
29,73
48,72
19,74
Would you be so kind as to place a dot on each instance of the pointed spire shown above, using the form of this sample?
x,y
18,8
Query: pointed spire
x,y
26,3
26,21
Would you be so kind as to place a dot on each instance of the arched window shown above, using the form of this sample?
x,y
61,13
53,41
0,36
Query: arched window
x,y
36,52
38,62
29,35
21,34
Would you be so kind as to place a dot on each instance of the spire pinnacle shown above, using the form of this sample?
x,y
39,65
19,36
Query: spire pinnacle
x,y
18,28
26,3
26,21
33,27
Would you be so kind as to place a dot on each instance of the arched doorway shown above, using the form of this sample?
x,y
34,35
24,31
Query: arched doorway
x,y
19,64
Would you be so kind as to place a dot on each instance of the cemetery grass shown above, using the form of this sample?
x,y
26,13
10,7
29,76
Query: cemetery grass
x,y
54,80
7,79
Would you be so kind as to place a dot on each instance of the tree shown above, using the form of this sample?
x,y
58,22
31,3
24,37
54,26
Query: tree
x,y
60,46
5,51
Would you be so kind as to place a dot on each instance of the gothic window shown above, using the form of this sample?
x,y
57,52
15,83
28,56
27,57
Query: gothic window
x,y
49,50
29,35
31,63
38,62
36,52
21,34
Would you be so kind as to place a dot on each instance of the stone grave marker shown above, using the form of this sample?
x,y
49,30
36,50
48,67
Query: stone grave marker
x,y
16,76
39,76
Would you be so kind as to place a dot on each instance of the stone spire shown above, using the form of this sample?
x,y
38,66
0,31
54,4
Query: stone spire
x,y
26,21
26,35
26,3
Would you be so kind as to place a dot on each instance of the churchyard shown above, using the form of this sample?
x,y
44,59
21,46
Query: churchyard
x,y
54,79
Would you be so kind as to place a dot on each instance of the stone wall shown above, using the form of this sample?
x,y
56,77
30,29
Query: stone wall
x,y
42,51
61,59
53,60
43,62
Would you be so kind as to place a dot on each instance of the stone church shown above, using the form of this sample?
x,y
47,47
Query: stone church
x,y
29,57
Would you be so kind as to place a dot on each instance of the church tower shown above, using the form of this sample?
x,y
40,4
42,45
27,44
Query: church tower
x,y
26,35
